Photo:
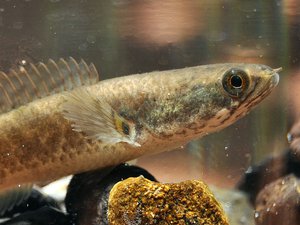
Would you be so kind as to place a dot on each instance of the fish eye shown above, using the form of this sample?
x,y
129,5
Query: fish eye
x,y
235,82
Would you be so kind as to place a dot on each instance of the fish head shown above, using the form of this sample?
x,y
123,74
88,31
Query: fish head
x,y
239,88
209,98
246,85
249,83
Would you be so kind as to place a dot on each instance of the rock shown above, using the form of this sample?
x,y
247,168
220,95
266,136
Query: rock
x,y
87,197
271,169
294,140
140,201
279,202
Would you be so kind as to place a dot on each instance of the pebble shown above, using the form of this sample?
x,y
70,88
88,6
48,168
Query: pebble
x,y
279,202
294,139
141,201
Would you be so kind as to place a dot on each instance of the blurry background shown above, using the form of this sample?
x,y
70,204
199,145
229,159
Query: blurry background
x,y
131,36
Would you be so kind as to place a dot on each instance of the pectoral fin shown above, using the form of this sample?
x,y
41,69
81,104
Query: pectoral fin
x,y
97,119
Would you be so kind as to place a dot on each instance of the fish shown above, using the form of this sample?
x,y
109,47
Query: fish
x,y
59,118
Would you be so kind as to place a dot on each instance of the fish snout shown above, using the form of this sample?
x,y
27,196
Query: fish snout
x,y
275,76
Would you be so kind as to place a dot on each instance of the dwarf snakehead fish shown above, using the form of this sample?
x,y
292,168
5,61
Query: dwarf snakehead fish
x,y
57,118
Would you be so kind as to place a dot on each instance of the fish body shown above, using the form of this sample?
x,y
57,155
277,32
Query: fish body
x,y
120,119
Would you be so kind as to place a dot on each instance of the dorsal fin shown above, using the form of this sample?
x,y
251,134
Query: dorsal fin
x,y
30,82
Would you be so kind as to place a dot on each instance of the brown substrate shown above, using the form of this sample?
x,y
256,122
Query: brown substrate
x,y
140,201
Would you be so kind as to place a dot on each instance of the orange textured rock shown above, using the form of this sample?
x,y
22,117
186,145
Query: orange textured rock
x,y
140,201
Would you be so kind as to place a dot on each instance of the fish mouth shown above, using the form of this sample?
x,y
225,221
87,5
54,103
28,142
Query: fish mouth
x,y
275,77
272,82
272,77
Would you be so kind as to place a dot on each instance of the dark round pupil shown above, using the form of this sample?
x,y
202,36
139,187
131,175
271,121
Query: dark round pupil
x,y
236,81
